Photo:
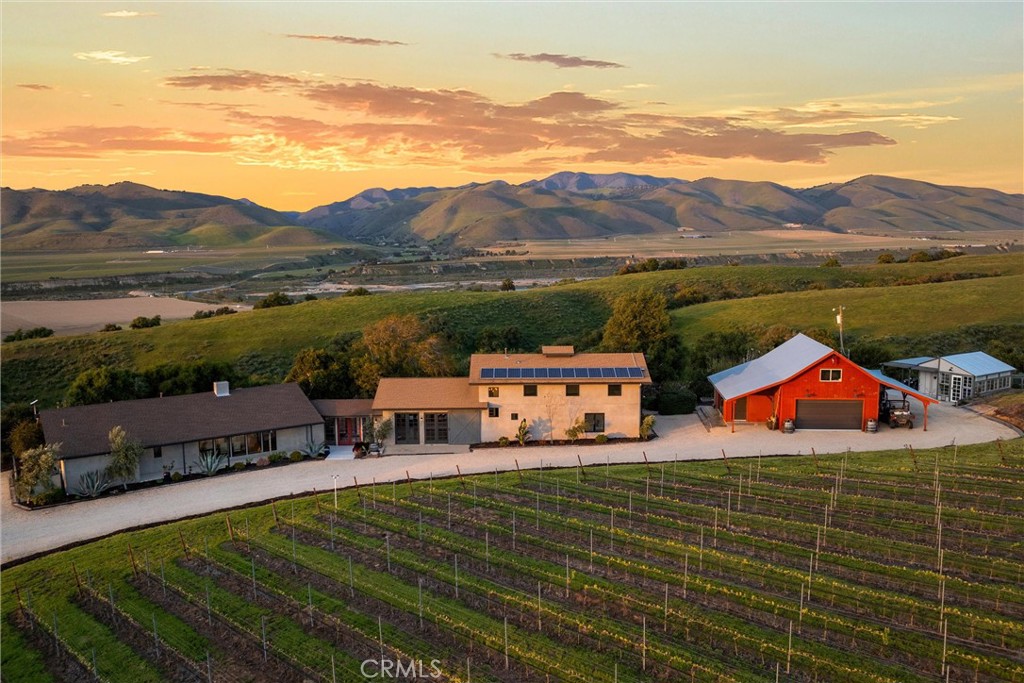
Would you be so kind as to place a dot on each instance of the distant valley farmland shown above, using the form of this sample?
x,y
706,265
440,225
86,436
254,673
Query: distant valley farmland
x,y
90,315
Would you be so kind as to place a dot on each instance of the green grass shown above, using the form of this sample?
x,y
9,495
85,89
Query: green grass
x,y
678,527
263,343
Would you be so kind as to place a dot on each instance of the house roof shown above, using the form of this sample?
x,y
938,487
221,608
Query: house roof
x,y
885,380
83,430
908,362
344,407
426,393
978,363
618,368
778,365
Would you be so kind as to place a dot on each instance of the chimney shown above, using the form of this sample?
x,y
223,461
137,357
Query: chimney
x,y
221,389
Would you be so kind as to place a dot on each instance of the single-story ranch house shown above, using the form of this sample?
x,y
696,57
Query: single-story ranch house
x,y
958,377
242,424
551,390
807,382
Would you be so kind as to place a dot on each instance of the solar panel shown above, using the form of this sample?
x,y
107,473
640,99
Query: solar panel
x,y
635,372
542,373
529,372
621,372
593,372
607,372
500,373
487,373
515,372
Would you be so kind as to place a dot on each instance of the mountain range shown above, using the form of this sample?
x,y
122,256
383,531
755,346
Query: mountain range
x,y
563,205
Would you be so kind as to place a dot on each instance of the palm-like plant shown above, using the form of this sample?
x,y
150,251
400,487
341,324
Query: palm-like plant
x,y
523,433
210,462
92,484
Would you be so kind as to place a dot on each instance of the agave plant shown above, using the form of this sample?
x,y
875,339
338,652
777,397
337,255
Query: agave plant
x,y
314,449
92,484
210,463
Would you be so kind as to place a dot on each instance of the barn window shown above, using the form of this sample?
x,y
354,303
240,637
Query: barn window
x,y
831,375
492,392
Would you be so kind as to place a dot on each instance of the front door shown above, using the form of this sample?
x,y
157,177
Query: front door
x,y
407,428
956,388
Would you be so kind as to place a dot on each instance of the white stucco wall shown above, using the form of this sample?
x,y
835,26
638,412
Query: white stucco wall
x,y
551,412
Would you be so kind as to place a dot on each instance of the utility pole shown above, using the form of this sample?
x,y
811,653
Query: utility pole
x,y
839,321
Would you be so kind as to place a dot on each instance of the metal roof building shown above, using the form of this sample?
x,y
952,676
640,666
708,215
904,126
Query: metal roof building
x,y
957,377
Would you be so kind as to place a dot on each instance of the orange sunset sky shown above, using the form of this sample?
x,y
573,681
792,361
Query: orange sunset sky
x,y
293,105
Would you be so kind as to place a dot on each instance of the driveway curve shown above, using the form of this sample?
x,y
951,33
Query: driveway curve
x,y
25,533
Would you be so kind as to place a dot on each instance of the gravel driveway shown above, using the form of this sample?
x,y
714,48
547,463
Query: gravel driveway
x,y
24,533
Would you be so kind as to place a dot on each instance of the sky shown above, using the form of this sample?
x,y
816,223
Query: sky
x,y
298,104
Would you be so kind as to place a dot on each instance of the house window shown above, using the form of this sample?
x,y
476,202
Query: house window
x,y
435,427
572,389
492,411
593,422
158,451
515,417
492,392
407,428
615,390
529,390
831,375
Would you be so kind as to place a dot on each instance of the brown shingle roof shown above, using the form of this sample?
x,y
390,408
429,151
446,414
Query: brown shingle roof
x,y
479,361
426,393
344,407
178,419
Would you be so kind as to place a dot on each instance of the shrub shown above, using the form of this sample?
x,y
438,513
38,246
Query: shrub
x,y
523,433
576,431
503,441
34,333
601,438
91,484
177,476
238,466
831,262
676,399
209,463
358,291
142,322
273,300
110,327
262,462
276,457
647,427
886,257
296,456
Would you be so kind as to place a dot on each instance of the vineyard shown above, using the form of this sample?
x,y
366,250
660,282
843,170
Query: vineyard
x,y
896,566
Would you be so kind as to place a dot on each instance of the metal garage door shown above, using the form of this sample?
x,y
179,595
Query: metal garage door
x,y
828,414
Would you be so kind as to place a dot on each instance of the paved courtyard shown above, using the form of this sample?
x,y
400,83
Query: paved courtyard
x,y
24,533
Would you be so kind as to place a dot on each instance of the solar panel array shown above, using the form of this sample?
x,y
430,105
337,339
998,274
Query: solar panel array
x,y
561,373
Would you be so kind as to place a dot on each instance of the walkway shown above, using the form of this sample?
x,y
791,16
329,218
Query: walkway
x,y
24,533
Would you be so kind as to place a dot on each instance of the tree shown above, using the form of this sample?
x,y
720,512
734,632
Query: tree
x,y
399,346
523,433
125,454
382,430
638,318
647,427
101,385
508,285
831,262
272,300
143,322
36,468
175,379
323,373
26,435
886,257
499,339
34,333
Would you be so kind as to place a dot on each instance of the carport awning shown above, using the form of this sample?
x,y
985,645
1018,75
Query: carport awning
x,y
900,386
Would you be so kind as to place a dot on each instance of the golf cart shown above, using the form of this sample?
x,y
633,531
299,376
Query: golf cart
x,y
895,411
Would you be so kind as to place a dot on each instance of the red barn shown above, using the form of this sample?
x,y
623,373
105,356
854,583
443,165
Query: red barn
x,y
807,382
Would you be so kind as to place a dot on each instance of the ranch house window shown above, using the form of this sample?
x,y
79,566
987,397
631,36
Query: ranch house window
x,y
594,422
492,392
158,451
615,390
529,390
572,389
515,417
831,375
492,411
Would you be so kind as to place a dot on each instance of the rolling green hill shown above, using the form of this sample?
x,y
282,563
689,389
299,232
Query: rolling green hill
x,y
263,343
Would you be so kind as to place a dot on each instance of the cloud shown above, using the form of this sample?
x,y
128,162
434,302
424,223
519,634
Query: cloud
x,y
127,14
232,79
95,141
348,40
316,124
109,57
561,61
638,86
35,86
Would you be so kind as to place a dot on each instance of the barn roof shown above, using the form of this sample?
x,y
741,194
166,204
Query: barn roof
x,y
778,365
885,380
